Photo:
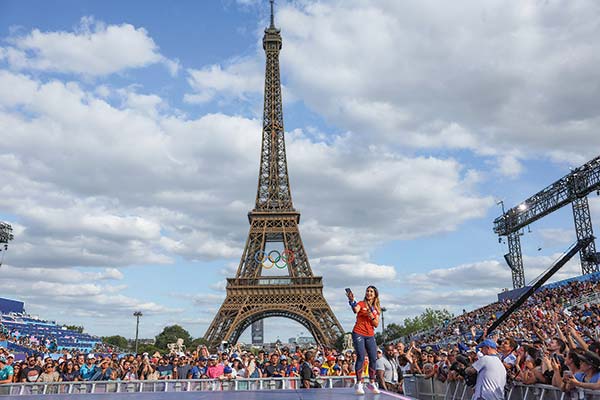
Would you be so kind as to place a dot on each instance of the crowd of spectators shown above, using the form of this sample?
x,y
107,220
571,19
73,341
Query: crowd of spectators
x,y
200,364
548,340
35,344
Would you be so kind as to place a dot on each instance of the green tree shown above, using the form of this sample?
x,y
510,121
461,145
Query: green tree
x,y
170,335
430,318
148,348
116,340
393,331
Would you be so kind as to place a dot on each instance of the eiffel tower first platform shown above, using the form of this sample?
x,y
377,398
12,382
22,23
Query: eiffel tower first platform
x,y
274,239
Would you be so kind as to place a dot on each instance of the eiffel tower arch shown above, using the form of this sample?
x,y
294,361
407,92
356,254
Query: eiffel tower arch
x,y
274,241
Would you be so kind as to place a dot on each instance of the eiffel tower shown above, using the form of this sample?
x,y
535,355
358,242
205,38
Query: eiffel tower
x,y
274,239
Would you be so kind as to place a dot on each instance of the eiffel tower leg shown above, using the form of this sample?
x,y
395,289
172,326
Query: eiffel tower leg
x,y
223,320
249,267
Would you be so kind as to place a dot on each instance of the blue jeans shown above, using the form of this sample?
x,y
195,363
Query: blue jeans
x,y
364,344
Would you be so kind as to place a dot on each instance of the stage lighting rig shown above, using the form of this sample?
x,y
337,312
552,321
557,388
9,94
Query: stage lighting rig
x,y
572,189
5,234
5,237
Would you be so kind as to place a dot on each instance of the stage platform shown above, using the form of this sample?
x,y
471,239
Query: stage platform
x,y
298,394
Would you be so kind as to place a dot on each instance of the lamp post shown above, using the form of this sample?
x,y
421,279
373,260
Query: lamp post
x,y
383,309
137,315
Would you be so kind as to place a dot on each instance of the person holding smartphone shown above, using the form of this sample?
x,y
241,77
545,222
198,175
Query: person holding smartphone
x,y
363,335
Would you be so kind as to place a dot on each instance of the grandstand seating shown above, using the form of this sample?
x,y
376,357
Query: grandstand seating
x,y
22,325
444,334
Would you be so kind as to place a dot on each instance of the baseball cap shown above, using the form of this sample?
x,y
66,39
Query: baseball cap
x,y
227,370
213,357
90,356
283,357
331,358
487,343
202,358
341,358
10,356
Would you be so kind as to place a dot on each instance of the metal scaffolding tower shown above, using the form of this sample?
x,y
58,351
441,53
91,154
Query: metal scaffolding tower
x,y
572,188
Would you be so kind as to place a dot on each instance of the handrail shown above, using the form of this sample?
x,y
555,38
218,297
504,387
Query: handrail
x,y
171,385
432,389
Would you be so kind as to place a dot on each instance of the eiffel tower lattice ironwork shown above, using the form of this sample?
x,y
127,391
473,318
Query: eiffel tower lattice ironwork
x,y
252,296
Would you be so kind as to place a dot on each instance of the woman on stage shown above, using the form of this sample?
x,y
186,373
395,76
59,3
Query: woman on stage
x,y
363,335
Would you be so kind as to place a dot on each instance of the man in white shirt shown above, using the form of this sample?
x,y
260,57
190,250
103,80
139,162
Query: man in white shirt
x,y
386,369
491,374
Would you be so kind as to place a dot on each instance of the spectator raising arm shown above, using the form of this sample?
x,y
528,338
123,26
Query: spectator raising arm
x,y
575,335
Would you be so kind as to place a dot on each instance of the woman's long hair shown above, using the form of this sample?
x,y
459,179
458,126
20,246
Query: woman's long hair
x,y
375,303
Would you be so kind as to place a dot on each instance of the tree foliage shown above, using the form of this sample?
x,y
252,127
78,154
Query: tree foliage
x,y
428,319
116,340
148,348
170,335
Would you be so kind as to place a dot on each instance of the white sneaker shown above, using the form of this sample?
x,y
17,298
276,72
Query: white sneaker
x,y
359,389
372,386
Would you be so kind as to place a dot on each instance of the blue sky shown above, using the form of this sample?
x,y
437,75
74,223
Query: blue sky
x,y
130,142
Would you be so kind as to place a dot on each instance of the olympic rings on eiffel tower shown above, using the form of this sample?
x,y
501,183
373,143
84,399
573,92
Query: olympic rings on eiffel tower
x,y
274,256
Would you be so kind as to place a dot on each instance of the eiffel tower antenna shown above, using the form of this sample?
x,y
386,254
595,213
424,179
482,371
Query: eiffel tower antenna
x,y
274,239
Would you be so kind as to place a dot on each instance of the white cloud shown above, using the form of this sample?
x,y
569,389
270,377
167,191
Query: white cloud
x,y
509,165
69,292
465,75
60,275
465,286
556,236
340,271
93,49
484,274
237,79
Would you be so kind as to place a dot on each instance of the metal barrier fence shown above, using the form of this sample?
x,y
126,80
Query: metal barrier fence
x,y
431,389
184,385
414,385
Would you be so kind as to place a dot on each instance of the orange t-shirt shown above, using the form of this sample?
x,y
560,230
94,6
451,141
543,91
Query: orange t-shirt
x,y
363,324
